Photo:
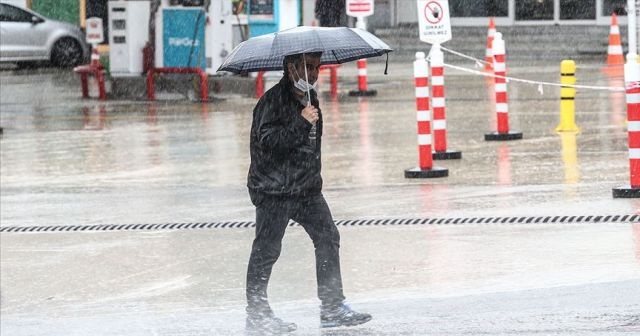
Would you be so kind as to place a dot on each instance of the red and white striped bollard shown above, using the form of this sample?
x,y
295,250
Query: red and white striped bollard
x,y
260,85
99,74
425,168
95,57
362,74
436,58
632,84
502,107
362,91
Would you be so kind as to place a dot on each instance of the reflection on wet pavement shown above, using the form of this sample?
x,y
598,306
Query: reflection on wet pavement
x,y
172,148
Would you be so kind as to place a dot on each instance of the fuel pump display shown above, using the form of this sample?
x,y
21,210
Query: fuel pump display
x,y
261,7
269,16
186,3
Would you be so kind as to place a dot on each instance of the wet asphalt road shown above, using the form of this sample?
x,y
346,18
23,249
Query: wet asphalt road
x,y
68,161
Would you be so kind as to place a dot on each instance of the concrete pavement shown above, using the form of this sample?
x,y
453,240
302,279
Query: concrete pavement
x,y
69,162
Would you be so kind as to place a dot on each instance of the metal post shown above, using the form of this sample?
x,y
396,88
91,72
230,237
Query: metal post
x,y
632,23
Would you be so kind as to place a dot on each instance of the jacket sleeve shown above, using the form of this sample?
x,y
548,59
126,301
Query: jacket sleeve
x,y
276,135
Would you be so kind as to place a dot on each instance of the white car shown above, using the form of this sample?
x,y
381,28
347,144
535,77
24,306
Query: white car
x,y
27,37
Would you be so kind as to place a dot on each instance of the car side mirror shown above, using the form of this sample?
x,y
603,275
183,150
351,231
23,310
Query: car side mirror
x,y
36,20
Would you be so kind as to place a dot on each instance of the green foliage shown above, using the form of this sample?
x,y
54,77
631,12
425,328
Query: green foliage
x,y
63,10
104,60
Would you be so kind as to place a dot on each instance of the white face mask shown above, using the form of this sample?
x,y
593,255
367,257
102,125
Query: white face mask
x,y
302,84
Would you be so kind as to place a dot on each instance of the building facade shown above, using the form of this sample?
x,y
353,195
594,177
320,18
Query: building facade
x,y
392,13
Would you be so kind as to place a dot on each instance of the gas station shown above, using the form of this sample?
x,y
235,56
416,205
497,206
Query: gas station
x,y
188,33
188,36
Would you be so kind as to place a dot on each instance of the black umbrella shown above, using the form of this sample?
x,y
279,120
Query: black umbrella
x,y
337,44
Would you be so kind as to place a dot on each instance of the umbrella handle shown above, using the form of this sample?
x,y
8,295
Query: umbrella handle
x,y
312,132
306,77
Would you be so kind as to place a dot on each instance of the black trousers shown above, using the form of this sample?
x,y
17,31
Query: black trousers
x,y
272,216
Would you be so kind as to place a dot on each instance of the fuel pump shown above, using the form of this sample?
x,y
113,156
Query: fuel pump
x,y
193,33
128,34
219,33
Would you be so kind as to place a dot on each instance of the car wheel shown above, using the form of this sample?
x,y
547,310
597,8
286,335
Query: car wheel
x,y
67,52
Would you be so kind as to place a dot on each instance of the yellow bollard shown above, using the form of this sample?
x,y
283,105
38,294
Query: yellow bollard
x,y
567,97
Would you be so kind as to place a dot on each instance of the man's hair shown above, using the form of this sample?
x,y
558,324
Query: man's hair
x,y
295,60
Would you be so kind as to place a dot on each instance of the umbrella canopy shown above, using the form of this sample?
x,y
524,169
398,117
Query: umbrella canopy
x,y
337,44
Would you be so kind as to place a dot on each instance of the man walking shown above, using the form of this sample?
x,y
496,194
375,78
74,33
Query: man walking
x,y
284,183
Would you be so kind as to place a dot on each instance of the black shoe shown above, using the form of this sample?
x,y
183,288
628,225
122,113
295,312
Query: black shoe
x,y
341,315
268,324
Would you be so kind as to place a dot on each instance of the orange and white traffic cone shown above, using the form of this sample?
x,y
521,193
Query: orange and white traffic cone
x,y
614,52
489,53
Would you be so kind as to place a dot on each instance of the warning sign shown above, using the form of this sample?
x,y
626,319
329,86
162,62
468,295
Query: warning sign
x,y
433,12
359,8
434,22
94,34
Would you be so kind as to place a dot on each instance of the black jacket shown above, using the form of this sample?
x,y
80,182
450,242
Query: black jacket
x,y
283,160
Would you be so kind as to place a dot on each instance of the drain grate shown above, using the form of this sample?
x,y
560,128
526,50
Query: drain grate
x,y
351,222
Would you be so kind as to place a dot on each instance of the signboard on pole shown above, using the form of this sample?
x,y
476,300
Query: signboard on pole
x,y
94,34
434,21
359,8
